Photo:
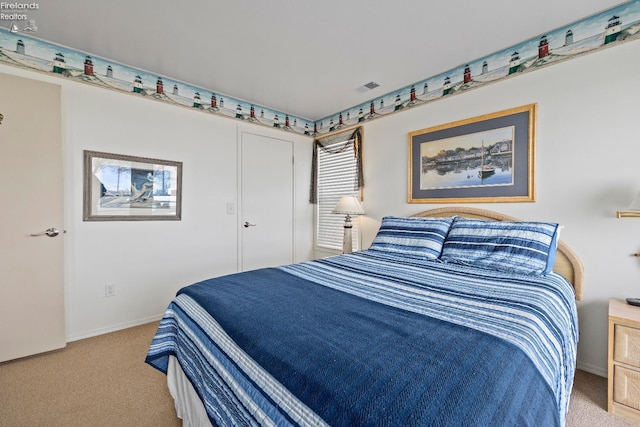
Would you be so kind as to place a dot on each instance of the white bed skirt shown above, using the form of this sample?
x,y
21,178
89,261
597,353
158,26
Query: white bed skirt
x,y
189,407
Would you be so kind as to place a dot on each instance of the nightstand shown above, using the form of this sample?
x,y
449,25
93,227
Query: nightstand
x,y
624,360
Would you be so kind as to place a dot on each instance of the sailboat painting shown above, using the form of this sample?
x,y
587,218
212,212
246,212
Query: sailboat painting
x,y
478,159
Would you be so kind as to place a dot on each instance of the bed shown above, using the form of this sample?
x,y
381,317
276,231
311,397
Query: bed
x,y
453,317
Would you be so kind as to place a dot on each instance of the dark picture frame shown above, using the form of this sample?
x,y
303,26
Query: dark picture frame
x,y
484,159
129,188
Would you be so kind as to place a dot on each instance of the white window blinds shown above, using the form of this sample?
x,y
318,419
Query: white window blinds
x,y
337,176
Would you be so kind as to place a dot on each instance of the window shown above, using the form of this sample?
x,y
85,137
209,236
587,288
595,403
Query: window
x,y
339,173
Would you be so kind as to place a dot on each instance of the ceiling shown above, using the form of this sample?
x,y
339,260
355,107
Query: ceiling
x,y
308,59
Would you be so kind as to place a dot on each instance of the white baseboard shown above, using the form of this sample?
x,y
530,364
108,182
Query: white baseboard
x,y
114,328
596,370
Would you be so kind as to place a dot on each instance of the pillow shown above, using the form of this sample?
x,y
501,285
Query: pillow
x,y
521,247
415,237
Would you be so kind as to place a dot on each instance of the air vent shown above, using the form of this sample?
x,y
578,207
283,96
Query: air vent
x,y
366,88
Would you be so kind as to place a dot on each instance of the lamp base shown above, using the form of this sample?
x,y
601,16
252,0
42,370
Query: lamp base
x,y
347,241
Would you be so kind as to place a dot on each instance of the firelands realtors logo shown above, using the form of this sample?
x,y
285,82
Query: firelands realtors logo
x,y
19,13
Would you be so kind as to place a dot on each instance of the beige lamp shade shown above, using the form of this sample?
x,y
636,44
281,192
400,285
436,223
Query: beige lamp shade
x,y
348,205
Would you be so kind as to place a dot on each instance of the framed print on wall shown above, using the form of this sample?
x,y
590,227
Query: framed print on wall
x,y
127,188
484,159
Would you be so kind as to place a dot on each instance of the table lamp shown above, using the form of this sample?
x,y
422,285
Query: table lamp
x,y
348,205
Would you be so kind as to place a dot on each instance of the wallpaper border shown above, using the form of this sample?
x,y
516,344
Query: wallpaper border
x,y
602,30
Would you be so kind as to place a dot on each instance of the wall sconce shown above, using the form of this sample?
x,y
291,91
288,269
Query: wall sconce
x,y
633,211
348,205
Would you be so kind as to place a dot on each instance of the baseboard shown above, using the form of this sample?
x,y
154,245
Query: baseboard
x,y
596,370
114,328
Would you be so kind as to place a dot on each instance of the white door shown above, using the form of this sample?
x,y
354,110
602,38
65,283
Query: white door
x,y
32,315
266,202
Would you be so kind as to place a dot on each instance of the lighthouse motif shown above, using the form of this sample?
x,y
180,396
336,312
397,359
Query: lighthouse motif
x,y
485,67
614,26
340,122
88,66
214,101
276,122
514,63
109,71
425,90
315,128
568,38
239,112
175,89
412,94
20,47
398,103
466,78
286,121
59,64
360,115
543,47
159,86
197,102
446,88
252,112
137,84
372,109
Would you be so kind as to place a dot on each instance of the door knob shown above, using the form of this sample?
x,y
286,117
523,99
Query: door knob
x,y
50,232
247,224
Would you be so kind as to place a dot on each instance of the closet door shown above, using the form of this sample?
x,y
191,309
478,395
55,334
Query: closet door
x,y
32,311
266,196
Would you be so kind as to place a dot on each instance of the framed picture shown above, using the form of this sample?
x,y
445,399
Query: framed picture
x,y
128,188
484,159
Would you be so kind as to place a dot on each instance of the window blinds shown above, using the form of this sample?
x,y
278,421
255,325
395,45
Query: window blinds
x,y
337,176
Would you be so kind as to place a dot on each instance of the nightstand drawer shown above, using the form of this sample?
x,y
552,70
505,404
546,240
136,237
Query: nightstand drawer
x,y
627,345
626,388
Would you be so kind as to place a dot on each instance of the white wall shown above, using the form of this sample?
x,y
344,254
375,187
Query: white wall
x,y
150,260
588,146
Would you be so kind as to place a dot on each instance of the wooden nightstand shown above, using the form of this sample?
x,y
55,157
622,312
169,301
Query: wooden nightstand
x,y
624,360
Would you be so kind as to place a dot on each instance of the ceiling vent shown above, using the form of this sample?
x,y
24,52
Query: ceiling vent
x,y
367,87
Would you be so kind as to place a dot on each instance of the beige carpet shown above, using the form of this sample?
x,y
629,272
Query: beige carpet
x,y
103,381
100,381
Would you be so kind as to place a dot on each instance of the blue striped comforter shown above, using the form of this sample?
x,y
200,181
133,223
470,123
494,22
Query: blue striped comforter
x,y
373,339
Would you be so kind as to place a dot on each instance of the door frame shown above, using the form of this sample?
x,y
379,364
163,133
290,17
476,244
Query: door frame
x,y
239,212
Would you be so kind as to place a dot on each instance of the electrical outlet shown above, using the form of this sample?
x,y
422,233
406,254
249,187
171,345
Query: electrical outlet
x,y
110,289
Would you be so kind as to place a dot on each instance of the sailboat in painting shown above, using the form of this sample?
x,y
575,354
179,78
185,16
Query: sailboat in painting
x,y
486,170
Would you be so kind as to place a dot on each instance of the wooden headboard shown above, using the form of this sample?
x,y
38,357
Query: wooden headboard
x,y
567,263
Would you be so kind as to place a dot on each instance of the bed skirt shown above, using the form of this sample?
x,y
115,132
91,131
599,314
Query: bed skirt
x,y
189,407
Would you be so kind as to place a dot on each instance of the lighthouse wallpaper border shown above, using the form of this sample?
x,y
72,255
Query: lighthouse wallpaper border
x,y
483,159
129,188
606,29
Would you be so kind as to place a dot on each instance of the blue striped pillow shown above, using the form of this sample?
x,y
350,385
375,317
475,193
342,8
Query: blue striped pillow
x,y
521,247
415,237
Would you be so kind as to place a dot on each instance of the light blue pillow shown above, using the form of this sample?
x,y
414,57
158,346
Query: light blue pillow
x,y
414,237
521,247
